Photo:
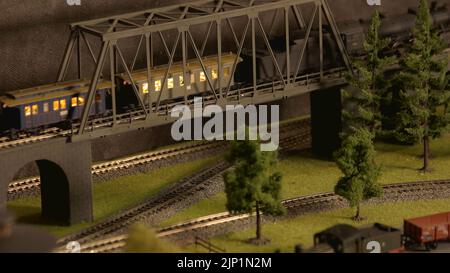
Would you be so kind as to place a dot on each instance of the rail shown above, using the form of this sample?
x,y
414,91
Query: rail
x,y
393,192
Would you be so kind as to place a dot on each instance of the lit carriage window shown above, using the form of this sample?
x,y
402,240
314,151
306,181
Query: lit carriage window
x,y
181,80
202,76
34,110
170,83
158,85
192,78
214,74
74,102
145,88
80,101
226,72
27,111
46,107
62,104
55,105
98,98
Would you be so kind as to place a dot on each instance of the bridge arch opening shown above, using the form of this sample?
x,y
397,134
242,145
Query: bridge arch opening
x,y
54,192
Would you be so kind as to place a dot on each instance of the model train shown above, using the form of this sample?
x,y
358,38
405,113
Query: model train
x,y
418,233
30,110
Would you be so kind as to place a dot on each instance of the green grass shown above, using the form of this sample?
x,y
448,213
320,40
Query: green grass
x,y
304,174
118,194
113,196
285,234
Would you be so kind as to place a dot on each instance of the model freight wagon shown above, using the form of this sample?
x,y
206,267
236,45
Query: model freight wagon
x,y
427,230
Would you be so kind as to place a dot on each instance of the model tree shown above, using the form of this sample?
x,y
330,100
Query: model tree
x,y
362,119
423,86
254,184
368,84
144,240
356,161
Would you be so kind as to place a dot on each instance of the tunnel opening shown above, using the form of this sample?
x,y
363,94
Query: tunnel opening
x,y
48,205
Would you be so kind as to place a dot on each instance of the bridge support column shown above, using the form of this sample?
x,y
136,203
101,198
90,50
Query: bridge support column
x,y
66,181
326,121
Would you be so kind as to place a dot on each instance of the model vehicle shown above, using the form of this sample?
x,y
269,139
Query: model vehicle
x,y
174,88
348,239
427,231
32,109
39,107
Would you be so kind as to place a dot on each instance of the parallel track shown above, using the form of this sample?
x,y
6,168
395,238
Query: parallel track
x,y
6,142
183,190
19,188
393,192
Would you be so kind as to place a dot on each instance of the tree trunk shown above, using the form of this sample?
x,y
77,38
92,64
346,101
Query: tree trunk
x,y
426,153
358,212
258,222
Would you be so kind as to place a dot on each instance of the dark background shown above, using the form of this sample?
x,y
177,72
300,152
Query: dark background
x,y
34,32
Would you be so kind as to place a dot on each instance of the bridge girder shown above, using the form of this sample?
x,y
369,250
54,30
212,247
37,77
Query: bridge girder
x,y
149,25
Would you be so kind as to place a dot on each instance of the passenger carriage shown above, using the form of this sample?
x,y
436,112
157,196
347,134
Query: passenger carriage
x,y
48,105
174,87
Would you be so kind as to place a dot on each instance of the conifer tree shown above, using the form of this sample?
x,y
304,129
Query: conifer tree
x,y
362,119
356,161
254,183
423,85
368,85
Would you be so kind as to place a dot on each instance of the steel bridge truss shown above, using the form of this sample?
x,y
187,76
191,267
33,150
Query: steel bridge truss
x,y
149,27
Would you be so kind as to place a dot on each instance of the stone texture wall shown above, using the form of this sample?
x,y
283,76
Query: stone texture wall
x,y
65,170
34,33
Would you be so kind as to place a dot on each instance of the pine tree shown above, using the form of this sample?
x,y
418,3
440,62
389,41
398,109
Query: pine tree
x,y
363,120
368,85
253,183
356,160
423,86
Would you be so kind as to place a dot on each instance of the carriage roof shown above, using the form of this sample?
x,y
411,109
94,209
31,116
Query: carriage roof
x,y
48,92
177,68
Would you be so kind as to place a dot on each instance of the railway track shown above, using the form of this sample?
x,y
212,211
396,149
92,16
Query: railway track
x,y
21,187
18,188
181,191
6,142
393,192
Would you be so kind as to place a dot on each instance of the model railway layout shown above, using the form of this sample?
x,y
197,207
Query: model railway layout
x,y
299,138
374,95
302,204
29,111
25,186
